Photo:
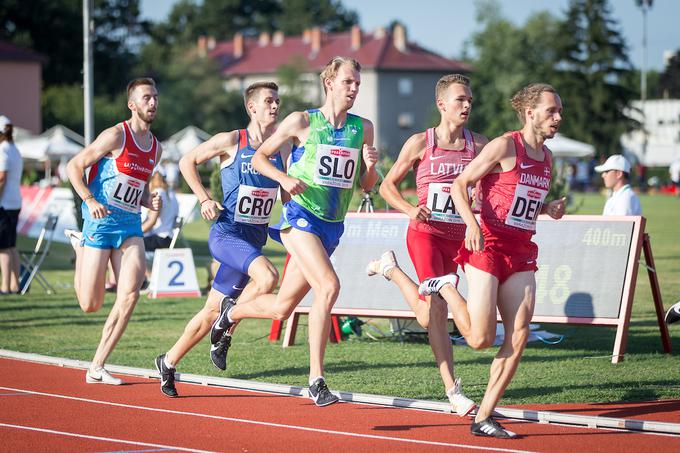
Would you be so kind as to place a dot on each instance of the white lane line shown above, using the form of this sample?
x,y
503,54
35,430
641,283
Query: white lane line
x,y
107,439
270,424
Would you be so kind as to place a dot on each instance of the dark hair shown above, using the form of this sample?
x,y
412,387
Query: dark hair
x,y
252,90
7,133
134,83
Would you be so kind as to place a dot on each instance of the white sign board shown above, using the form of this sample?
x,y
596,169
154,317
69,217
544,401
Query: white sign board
x,y
173,274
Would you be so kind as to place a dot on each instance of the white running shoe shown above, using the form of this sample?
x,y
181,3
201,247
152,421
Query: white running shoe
x,y
74,236
461,404
434,285
101,376
387,262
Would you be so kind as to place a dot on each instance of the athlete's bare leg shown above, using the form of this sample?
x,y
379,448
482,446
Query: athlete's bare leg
x,y
129,266
89,284
9,268
516,301
440,342
476,318
409,290
264,278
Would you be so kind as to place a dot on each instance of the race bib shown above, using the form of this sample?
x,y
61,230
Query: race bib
x,y
441,204
254,204
127,193
525,207
336,166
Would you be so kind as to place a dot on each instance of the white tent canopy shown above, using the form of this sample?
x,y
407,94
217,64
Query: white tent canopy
x,y
182,142
565,147
55,143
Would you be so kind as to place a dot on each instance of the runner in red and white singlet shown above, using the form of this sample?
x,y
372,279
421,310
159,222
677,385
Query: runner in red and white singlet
x,y
499,257
120,162
436,231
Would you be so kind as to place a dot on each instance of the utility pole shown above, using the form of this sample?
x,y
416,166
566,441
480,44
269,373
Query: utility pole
x,y
644,5
88,78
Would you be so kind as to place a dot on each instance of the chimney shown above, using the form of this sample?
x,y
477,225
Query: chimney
x,y
277,38
316,39
379,33
356,37
238,45
201,46
263,41
399,37
306,36
211,43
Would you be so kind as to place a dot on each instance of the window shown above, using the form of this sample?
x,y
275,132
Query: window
x,y
405,120
405,86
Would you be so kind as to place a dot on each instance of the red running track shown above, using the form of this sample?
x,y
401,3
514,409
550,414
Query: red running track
x,y
49,408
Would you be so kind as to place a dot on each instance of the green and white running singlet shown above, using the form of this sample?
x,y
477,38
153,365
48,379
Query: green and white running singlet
x,y
329,163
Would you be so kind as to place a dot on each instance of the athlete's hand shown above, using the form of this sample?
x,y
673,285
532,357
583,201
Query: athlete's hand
x,y
156,203
474,240
421,213
210,209
557,208
293,185
370,155
97,210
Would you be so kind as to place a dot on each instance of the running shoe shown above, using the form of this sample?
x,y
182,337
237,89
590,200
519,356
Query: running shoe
x,y
434,285
167,377
491,428
461,404
673,313
74,236
101,376
218,352
320,394
222,323
387,262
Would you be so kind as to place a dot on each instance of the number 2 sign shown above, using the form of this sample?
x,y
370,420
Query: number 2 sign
x,y
173,274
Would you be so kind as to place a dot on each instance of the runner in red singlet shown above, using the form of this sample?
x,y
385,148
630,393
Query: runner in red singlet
x,y
499,257
436,231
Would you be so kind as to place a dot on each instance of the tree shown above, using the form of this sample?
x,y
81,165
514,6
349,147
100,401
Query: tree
x,y
591,77
296,15
669,83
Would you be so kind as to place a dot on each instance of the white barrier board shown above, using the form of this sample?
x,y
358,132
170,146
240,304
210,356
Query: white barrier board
x,y
173,274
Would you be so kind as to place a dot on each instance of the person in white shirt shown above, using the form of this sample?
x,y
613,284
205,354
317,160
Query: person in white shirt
x,y
674,171
616,174
11,169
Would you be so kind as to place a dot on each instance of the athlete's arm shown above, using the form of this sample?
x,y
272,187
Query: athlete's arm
x,y
222,145
150,221
555,208
293,127
412,151
490,157
369,175
109,141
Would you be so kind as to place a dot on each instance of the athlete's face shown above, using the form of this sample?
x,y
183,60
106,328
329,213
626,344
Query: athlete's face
x,y
344,87
456,103
144,101
546,117
264,106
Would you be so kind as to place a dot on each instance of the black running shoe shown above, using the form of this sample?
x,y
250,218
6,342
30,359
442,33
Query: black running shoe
x,y
222,323
491,428
167,377
320,394
673,313
218,352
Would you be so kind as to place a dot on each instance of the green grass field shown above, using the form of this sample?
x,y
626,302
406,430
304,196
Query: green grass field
x,y
578,369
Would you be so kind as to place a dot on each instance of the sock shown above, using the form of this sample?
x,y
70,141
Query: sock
x,y
167,363
229,315
313,380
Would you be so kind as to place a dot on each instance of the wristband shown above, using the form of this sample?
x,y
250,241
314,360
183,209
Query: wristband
x,y
207,199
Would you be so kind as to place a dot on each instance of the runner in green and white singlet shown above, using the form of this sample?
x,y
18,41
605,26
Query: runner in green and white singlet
x,y
333,151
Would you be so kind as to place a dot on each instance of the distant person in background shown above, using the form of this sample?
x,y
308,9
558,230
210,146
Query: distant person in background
x,y
171,173
157,225
582,177
674,171
616,174
11,168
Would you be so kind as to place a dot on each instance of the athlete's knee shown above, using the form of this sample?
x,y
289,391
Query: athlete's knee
x,y
519,338
128,300
266,283
328,291
483,341
423,319
90,305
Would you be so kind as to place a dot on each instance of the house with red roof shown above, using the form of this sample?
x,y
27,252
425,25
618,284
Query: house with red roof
x,y
21,80
398,77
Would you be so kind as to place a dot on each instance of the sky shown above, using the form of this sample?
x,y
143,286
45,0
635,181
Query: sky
x,y
443,26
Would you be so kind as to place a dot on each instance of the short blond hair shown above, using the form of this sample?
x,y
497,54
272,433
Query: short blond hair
x,y
333,66
528,97
446,81
254,88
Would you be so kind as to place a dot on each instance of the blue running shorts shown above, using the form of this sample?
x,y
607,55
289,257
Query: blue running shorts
x,y
235,255
106,236
298,217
